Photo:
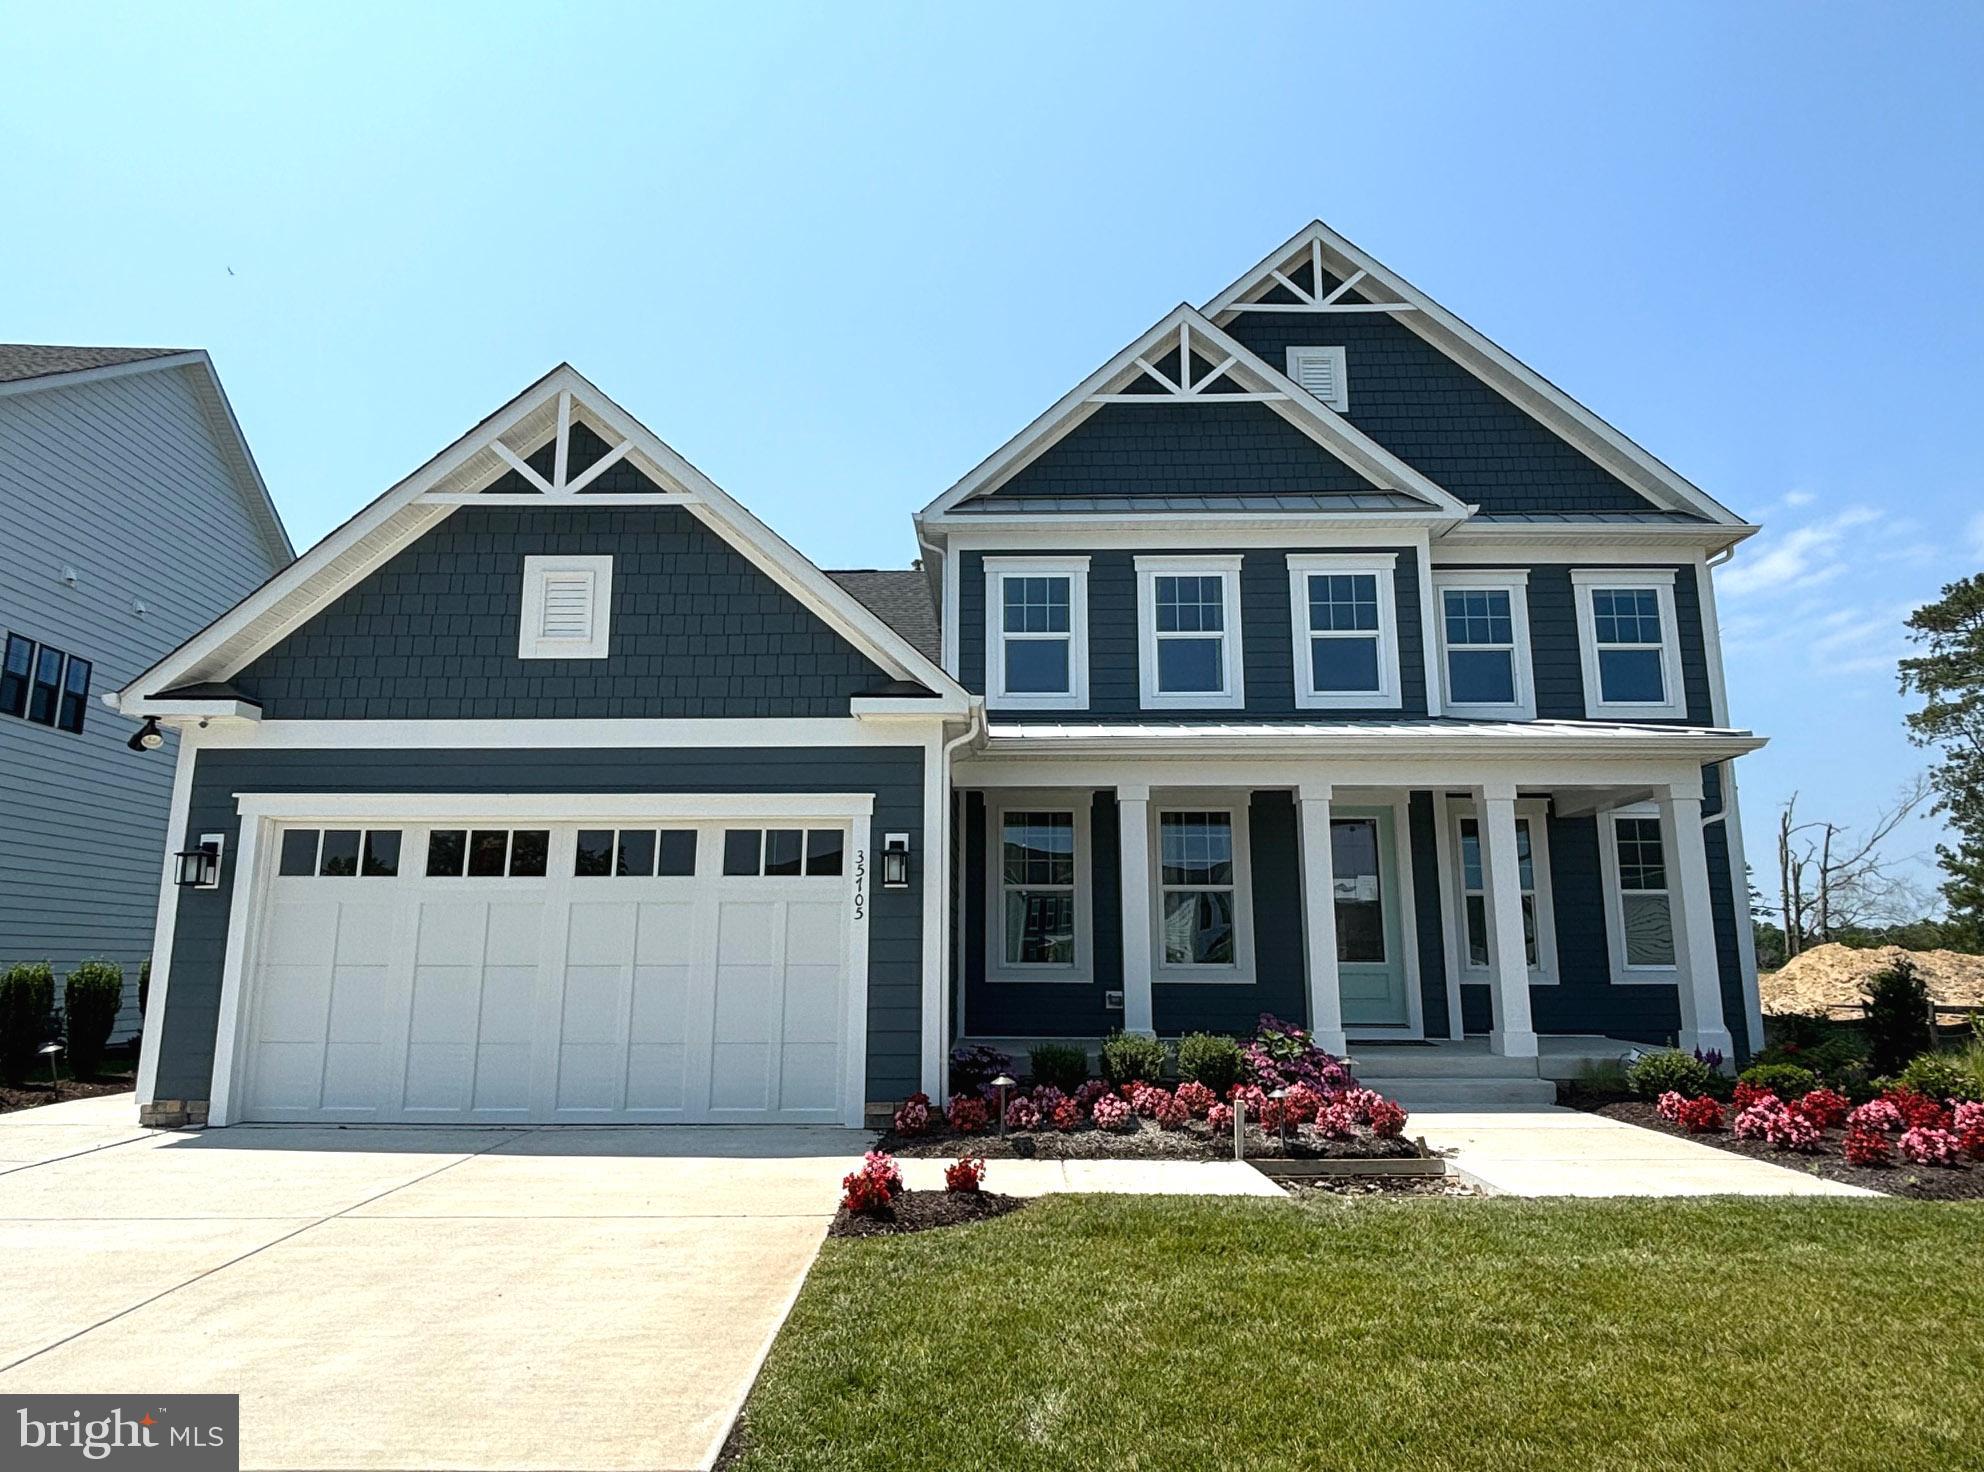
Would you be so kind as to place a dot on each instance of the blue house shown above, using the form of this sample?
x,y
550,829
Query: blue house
x,y
1311,656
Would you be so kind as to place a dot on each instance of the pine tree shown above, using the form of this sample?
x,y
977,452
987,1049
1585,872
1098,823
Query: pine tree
x,y
1949,676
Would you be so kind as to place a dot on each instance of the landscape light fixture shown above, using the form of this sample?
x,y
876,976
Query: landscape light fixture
x,y
50,1051
149,737
1281,1117
1002,1083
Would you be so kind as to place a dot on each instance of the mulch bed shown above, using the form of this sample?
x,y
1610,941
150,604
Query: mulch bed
x,y
1145,1142
33,1096
1920,1182
1299,1187
920,1211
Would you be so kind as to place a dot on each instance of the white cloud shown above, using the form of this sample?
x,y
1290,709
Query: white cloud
x,y
1799,498
1795,561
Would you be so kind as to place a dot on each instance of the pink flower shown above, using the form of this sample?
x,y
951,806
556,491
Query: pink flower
x,y
1110,1112
1148,1099
968,1114
1387,1118
1880,1114
1775,1124
1196,1098
1338,1120
1219,1119
1089,1092
1172,1114
1927,1146
913,1118
1668,1106
1022,1114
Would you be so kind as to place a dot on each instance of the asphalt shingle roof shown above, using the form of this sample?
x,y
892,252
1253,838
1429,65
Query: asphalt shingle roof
x,y
901,599
19,360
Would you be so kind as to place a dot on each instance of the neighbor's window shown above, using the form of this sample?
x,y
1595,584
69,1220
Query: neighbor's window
x,y
1346,645
1196,875
1630,651
1036,636
1484,629
45,690
1646,915
1189,614
14,671
1037,864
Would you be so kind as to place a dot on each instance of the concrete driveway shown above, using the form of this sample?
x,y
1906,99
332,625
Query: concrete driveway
x,y
407,1297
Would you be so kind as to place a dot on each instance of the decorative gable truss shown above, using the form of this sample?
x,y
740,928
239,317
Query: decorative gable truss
x,y
561,443
1186,359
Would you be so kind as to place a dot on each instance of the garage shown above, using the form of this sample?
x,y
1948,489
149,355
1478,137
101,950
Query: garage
x,y
624,967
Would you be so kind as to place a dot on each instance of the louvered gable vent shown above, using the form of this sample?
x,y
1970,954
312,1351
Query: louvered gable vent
x,y
567,605
1320,371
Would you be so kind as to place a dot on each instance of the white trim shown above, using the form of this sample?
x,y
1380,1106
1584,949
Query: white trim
x,y
1317,858
1301,409
998,970
556,807
1290,531
1233,692
596,572
996,571
1333,358
1325,249
152,1041
253,860
1584,580
1514,582
1382,565
1448,867
192,710
1615,912
1535,812
401,515
854,1058
1235,805
1585,541
878,729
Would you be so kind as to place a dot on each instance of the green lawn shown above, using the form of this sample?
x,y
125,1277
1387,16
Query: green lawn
x,y
1099,1332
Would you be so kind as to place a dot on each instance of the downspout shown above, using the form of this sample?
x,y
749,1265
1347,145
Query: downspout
x,y
975,727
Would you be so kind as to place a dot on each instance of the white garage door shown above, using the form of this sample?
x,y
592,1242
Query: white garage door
x,y
551,972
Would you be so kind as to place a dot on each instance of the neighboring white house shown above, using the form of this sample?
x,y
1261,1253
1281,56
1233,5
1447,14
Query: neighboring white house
x,y
131,514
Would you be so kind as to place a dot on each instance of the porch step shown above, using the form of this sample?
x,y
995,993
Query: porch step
x,y
1441,1061
1467,1095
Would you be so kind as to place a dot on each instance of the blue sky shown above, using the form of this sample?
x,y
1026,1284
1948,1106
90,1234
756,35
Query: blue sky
x,y
835,256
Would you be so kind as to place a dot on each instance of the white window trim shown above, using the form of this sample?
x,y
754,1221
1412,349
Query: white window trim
x,y
1340,400
1241,972
998,970
1514,582
997,570
531,645
1535,812
1233,695
1615,907
1384,564
1661,580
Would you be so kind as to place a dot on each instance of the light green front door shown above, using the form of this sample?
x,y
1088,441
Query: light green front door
x,y
1369,948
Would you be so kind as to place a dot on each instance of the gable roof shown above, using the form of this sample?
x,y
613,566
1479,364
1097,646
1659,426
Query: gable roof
x,y
902,600
1188,335
1368,285
461,474
27,368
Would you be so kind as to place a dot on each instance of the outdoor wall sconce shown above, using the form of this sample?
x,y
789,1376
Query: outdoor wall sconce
x,y
199,867
895,861
149,737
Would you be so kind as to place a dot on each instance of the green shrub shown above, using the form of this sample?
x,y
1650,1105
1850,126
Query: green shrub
x,y
1128,1057
90,999
144,984
1786,1080
1653,1074
1210,1058
27,1012
1063,1065
1897,1017
1940,1076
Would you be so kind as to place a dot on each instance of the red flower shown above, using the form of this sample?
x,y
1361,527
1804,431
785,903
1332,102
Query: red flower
x,y
968,1114
1826,1108
1866,1146
966,1173
874,1186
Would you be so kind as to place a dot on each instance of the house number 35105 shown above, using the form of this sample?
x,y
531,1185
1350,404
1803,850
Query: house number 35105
x,y
860,883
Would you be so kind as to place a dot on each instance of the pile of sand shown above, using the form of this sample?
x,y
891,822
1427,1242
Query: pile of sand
x,y
1831,978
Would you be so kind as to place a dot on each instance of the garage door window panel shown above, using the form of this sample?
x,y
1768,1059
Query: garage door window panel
x,y
339,853
488,853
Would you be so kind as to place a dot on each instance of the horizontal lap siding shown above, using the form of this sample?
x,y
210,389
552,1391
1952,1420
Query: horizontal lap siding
x,y
1266,635
126,481
697,631
895,930
1427,933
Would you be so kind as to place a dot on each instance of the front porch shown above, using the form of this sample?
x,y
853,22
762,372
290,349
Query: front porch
x,y
1514,922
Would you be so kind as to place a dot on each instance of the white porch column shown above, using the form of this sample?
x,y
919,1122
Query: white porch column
x,y
1700,988
1319,917
1513,1033
1133,829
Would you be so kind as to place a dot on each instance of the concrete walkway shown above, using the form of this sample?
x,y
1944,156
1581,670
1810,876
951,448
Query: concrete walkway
x,y
413,1298
1566,1152
1117,1177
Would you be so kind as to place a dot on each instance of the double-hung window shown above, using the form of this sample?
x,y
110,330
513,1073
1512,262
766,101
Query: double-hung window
x,y
44,685
1639,893
1484,635
1036,633
1188,613
1038,900
1627,639
1346,630
1203,928
1532,878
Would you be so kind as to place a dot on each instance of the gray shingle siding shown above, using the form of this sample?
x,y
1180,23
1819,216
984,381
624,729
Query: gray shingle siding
x,y
697,631
895,934
1428,933
1440,419
1183,449
1267,635
1554,651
